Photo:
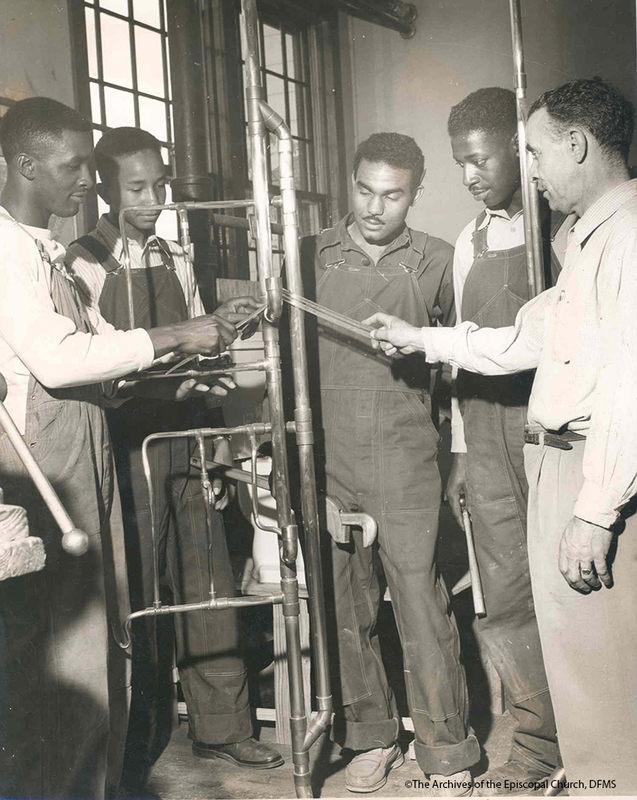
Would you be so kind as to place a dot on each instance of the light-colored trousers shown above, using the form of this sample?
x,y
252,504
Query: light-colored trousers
x,y
589,641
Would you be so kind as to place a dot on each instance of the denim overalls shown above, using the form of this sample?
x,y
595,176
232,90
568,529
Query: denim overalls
x,y
67,677
494,415
211,668
381,458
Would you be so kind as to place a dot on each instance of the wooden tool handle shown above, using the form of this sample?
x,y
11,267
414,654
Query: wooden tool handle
x,y
476,582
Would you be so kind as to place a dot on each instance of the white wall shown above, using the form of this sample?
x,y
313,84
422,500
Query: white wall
x,y
36,59
460,46
35,50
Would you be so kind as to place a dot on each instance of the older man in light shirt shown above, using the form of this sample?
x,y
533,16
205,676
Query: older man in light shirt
x,y
581,452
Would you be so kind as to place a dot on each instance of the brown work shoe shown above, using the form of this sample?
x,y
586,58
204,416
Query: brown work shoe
x,y
368,771
460,784
248,753
512,778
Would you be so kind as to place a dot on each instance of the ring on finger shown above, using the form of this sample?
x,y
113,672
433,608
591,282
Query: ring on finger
x,y
586,570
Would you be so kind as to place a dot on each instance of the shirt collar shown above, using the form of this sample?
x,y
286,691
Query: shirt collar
x,y
113,238
602,209
500,213
339,233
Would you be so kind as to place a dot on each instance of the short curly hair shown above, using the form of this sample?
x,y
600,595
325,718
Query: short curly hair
x,y
491,110
32,123
118,142
395,150
595,105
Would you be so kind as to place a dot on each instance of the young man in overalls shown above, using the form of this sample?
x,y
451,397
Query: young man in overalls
x,y
66,676
488,418
211,668
381,458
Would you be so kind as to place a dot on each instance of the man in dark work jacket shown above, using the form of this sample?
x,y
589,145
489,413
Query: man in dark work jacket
x,y
381,458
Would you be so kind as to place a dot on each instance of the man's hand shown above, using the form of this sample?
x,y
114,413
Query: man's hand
x,y
195,387
223,491
582,557
393,335
209,335
235,309
457,485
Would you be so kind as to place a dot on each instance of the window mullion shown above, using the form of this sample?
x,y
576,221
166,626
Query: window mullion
x,y
133,58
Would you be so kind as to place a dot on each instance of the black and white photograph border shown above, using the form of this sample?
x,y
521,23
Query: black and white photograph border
x,y
336,72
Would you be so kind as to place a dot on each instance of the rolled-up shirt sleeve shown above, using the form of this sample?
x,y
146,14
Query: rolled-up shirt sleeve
x,y
47,343
492,351
610,456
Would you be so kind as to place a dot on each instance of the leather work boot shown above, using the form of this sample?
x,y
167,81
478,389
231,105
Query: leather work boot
x,y
248,753
368,771
514,777
460,784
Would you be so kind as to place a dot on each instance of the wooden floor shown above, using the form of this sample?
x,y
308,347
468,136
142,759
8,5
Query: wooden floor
x,y
178,775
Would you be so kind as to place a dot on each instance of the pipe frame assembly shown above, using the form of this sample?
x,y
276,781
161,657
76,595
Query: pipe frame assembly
x,y
262,120
530,199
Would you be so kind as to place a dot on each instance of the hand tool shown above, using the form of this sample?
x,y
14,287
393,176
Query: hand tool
x,y
476,583
74,541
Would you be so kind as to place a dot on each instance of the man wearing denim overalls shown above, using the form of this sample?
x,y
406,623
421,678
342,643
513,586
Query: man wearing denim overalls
x,y
66,677
381,458
490,287
211,666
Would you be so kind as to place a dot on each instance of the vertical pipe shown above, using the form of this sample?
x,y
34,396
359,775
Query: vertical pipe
x,y
151,506
271,287
193,181
304,428
530,201
127,268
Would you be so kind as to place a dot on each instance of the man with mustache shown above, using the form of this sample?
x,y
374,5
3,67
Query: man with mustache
x,y
581,440
490,287
380,457
66,676
211,668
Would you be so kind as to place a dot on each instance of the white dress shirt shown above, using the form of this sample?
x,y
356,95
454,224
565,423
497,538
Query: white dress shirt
x,y
35,339
581,336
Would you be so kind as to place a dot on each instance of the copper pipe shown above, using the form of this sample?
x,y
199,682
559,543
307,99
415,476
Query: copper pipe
x,y
271,287
530,201
304,427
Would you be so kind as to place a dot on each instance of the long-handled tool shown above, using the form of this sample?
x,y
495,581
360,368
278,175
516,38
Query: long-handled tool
x,y
476,582
530,200
74,541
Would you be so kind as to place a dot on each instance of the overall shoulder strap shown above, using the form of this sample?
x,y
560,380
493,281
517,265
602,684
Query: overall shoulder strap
x,y
414,261
479,237
100,252
166,253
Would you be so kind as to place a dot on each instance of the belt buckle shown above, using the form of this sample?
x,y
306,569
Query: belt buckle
x,y
553,440
533,437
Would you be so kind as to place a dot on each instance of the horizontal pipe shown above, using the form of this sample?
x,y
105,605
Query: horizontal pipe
x,y
234,474
274,598
228,221
255,366
256,429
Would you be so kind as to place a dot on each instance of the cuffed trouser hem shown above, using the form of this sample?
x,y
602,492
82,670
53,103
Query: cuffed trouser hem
x,y
364,735
522,755
220,728
449,758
